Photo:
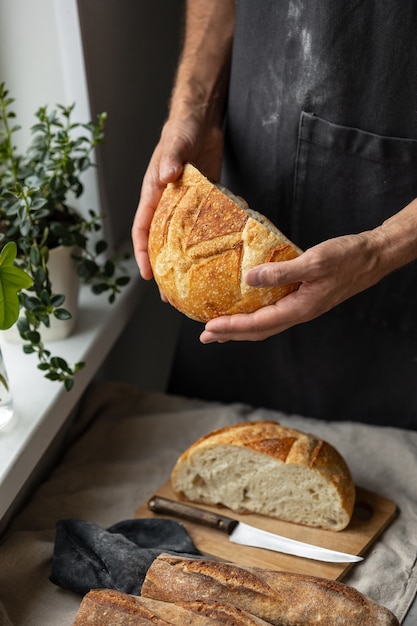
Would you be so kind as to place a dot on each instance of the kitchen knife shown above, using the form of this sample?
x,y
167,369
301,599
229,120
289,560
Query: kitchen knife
x,y
247,535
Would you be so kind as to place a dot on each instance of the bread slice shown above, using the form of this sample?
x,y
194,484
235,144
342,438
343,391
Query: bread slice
x,y
263,467
279,598
203,240
106,607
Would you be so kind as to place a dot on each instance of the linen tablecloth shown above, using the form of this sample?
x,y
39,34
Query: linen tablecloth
x,y
125,442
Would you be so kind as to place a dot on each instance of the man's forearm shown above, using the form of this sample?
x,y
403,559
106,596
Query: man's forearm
x,y
397,239
203,72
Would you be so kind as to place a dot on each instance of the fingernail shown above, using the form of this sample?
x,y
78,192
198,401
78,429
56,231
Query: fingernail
x,y
253,278
168,172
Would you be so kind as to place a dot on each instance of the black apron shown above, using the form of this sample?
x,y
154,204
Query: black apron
x,y
321,136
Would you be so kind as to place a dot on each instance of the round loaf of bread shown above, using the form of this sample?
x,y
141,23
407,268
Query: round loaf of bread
x,y
202,242
266,468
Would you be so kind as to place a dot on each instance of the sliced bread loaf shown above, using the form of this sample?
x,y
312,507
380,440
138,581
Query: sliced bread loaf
x,y
266,468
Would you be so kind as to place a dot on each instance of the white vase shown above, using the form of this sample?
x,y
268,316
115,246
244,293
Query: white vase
x,y
62,270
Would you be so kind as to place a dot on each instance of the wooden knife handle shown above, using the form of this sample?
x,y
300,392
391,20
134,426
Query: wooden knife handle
x,y
157,504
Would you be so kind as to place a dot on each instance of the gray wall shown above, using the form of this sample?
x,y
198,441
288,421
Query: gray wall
x,y
131,49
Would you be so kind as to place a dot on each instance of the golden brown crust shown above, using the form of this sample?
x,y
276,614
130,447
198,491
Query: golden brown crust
x,y
287,446
223,613
202,243
106,607
280,598
267,436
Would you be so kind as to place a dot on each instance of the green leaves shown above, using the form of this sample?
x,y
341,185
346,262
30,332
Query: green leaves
x,y
35,217
12,280
55,368
34,184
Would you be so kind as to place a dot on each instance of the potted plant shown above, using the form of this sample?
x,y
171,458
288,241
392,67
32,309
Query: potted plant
x,y
36,189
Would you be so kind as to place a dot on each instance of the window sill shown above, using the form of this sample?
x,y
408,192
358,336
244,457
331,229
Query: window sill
x,y
42,407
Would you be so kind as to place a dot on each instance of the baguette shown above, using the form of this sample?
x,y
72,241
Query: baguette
x,y
203,240
263,467
280,598
105,607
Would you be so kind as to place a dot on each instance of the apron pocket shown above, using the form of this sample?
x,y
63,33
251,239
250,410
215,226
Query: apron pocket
x,y
347,181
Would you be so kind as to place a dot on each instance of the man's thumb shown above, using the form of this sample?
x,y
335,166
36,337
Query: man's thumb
x,y
272,274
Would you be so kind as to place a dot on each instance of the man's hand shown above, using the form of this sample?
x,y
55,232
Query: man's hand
x,y
194,129
328,274
160,172
180,142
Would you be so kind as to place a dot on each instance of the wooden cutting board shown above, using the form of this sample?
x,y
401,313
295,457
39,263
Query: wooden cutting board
x,y
372,515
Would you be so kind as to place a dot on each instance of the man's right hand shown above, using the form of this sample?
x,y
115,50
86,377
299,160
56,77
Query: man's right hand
x,y
179,143
193,131
163,168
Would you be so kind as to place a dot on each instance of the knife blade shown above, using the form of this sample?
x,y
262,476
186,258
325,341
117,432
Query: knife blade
x,y
244,534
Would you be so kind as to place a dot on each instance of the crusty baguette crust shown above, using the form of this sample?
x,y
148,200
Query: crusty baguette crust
x,y
202,243
106,607
266,440
280,598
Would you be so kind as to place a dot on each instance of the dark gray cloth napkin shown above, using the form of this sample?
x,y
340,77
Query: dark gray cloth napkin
x,y
87,556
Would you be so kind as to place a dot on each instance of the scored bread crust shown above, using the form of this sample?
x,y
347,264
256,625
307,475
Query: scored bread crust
x,y
202,242
266,468
279,598
107,607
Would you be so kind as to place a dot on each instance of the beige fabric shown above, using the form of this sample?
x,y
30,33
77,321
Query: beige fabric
x,y
129,450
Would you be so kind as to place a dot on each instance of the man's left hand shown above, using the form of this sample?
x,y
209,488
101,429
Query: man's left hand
x,y
328,274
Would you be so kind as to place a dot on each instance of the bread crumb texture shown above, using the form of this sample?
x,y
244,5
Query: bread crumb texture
x,y
202,242
263,467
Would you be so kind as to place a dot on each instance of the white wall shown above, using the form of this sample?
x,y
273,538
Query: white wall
x,y
30,61
41,62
